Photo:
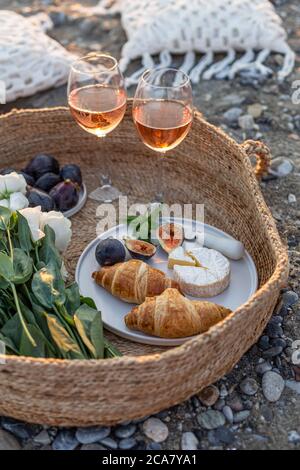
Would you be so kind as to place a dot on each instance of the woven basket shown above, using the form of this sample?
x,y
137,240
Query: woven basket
x,y
208,167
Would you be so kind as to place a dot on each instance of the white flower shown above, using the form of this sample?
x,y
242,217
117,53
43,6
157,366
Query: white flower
x,y
61,226
4,203
17,201
12,183
33,217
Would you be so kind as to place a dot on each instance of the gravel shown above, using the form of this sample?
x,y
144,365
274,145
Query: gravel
x,y
8,441
127,443
209,395
65,440
124,432
290,298
249,386
241,416
92,434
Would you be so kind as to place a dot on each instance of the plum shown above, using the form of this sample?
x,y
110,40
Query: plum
x,y
65,195
36,197
71,172
42,164
47,181
110,251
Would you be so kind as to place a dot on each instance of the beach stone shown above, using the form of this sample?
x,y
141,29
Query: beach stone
x,y
263,367
293,437
189,441
209,395
272,352
43,438
292,199
92,447
274,330
255,110
110,443
127,443
246,122
8,441
155,430
211,419
123,432
290,298
249,386
219,405
224,435
264,342
20,429
232,115
272,385
278,342
267,413
281,167
241,416
153,446
293,385
235,403
227,412
92,434
65,440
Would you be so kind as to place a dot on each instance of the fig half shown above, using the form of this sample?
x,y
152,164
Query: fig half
x,y
140,249
170,236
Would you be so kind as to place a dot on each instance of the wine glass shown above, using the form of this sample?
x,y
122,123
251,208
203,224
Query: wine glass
x,y
163,112
97,96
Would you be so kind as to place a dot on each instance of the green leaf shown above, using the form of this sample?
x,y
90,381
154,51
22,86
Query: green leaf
x,y
24,234
6,267
22,266
10,346
89,326
13,330
48,251
72,298
66,345
48,286
5,215
88,301
110,351
26,347
3,283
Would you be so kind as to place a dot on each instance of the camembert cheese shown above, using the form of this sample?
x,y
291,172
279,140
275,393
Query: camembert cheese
x,y
209,277
180,257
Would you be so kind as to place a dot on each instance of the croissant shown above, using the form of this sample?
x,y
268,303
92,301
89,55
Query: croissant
x,y
133,281
170,315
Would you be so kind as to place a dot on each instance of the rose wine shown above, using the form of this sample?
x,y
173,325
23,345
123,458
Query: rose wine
x,y
98,109
162,124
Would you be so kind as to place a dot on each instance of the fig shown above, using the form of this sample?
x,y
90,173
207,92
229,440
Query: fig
x,y
47,181
110,251
71,172
36,197
42,164
170,236
65,195
140,249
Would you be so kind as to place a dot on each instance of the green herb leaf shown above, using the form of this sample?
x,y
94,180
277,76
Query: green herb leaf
x,y
66,345
88,301
72,298
6,267
23,267
48,286
24,234
26,347
89,326
48,251
13,330
10,346
3,283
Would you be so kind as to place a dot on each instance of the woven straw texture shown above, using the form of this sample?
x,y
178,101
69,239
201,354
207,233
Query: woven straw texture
x,y
208,167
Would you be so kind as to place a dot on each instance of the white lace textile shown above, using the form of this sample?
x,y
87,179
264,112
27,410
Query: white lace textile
x,y
30,61
203,26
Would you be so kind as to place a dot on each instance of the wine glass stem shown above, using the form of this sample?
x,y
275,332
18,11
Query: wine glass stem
x,y
159,197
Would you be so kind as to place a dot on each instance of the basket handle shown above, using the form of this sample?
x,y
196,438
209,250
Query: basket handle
x,y
261,152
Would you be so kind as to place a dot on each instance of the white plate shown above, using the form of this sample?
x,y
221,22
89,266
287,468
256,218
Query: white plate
x,y
81,202
243,285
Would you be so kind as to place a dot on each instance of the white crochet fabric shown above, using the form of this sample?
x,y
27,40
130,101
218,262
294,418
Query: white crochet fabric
x,y
203,26
30,61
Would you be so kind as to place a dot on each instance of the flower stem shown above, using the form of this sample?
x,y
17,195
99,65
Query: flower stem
x,y
16,299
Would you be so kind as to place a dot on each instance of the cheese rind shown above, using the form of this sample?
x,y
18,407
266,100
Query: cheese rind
x,y
209,278
179,257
